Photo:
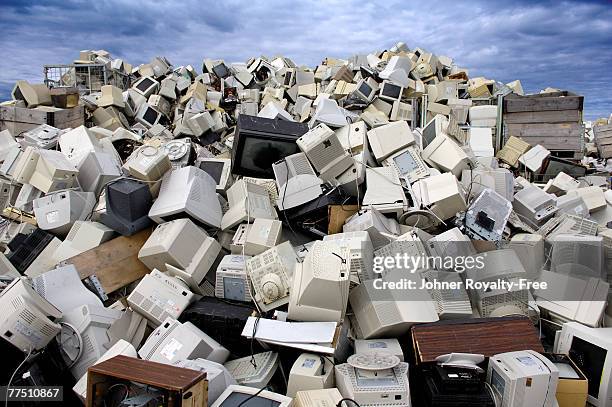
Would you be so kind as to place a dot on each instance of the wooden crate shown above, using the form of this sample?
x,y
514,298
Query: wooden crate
x,y
20,119
183,387
553,120
603,140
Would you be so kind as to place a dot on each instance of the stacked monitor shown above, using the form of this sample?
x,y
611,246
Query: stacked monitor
x,y
187,192
321,284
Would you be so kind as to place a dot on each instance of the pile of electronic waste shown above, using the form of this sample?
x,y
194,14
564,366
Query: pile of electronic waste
x,y
295,233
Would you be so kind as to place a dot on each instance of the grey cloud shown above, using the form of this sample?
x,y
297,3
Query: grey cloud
x,y
559,44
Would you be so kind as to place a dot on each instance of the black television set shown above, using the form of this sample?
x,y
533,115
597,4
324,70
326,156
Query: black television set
x,y
260,142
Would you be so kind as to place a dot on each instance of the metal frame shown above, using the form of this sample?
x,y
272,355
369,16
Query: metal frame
x,y
87,78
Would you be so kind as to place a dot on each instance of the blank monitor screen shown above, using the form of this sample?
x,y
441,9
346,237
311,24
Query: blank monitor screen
x,y
213,168
235,399
590,359
262,152
221,70
150,116
405,163
391,91
144,84
365,89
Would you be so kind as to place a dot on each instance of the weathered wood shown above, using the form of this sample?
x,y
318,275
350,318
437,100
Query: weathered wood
x,y
549,116
115,263
539,103
18,119
553,136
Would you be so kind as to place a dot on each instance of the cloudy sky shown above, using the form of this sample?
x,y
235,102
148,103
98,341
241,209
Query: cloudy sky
x,y
563,44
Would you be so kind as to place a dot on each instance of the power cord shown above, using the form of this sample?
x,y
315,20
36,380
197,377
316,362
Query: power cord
x,y
344,400
252,396
8,386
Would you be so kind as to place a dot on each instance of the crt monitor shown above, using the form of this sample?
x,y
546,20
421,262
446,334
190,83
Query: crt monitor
x,y
321,284
127,206
57,212
27,319
591,350
260,142
174,340
219,169
187,192
236,396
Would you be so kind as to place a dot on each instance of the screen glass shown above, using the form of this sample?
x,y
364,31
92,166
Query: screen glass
x,y
234,399
213,168
391,91
429,133
150,116
590,359
365,89
144,85
406,163
498,383
258,154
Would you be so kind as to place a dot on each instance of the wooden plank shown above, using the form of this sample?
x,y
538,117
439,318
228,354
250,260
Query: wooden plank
x,y
559,136
538,104
23,115
115,262
550,116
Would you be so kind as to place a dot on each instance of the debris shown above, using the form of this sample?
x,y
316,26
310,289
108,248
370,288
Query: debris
x,y
247,226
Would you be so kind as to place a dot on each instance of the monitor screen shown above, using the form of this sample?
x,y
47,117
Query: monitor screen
x,y
405,163
429,133
288,78
391,91
259,154
144,84
365,89
498,383
213,168
221,71
590,359
236,399
150,116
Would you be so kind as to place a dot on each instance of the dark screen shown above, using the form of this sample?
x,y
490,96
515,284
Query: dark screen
x,y
429,133
144,85
590,359
391,91
259,154
234,399
365,89
150,116
221,71
213,168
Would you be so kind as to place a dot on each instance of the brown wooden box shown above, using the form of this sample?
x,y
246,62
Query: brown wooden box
x,y
20,119
603,140
485,336
184,387
553,120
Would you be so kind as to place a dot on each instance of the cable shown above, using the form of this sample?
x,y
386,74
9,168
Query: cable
x,y
342,259
252,396
347,399
491,391
255,326
8,386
